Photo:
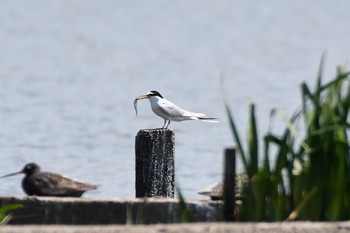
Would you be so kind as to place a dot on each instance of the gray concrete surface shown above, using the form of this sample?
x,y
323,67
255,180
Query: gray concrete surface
x,y
85,211
292,227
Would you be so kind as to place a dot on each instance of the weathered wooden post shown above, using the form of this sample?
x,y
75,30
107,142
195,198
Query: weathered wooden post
x,y
154,163
229,184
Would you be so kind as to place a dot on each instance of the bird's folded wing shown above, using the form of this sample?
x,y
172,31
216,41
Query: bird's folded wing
x,y
170,109
59,185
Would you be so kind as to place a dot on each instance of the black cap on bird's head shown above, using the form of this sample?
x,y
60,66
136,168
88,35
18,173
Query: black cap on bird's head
x,y
154,93
148,95
28,169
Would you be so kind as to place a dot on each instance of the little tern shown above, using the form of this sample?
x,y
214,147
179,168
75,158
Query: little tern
x,y
170,111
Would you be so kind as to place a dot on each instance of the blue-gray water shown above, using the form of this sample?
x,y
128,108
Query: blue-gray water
x,y
69,71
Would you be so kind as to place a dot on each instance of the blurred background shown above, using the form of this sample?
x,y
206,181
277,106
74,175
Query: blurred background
x,y
69,71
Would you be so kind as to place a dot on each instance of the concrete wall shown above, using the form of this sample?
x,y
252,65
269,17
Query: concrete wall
x,y
81,211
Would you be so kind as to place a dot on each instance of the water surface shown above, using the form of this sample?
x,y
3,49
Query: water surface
x,y
69,71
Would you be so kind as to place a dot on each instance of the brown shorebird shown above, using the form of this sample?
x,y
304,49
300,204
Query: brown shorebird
x,y
216,190
40,183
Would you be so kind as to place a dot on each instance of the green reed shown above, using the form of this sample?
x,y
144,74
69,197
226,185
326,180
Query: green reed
x,y
308,179
184,211
5,212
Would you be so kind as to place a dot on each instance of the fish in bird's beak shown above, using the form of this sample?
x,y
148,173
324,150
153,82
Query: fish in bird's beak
x,y
144,96
12,174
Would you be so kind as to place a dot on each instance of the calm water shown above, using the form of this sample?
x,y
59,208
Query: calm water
x,y
69,71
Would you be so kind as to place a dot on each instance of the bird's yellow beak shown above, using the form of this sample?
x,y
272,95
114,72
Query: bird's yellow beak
x,y
144,96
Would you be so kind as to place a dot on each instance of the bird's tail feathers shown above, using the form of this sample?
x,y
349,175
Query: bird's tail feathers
x,y
200,116
207,119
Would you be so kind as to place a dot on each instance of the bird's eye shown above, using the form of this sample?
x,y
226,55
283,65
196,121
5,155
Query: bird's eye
x,y
30,167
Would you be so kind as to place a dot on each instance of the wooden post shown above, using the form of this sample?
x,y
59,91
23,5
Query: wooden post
x,y
229,184
155,166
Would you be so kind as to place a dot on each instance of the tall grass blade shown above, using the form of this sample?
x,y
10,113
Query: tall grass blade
x,y
236,136
253,143
184,211
295,213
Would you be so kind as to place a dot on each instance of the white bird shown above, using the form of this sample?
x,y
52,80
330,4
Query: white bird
x,y
170,111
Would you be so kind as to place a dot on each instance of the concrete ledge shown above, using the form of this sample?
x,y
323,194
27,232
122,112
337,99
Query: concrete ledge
x,y
293,227
82,211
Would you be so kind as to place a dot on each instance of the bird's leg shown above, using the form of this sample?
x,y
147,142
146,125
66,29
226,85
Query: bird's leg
x,y
167,124
164,124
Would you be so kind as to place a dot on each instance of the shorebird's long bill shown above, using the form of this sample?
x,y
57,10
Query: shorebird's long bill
x,y
12,174
144,96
